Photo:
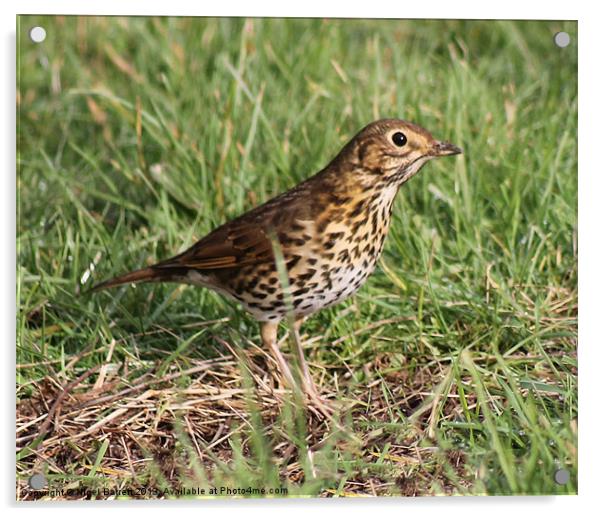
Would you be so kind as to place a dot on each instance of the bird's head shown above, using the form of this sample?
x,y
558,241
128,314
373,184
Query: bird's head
x,y
392,151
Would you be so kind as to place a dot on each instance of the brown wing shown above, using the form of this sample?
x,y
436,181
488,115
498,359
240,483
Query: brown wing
x,y
246,239
232,245
242,241
235,244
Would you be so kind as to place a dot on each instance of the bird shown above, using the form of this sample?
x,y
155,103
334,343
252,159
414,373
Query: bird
x,y
327,233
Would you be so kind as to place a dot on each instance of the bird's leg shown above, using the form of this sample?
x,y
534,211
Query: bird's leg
x,y
309,386
269,337
307,379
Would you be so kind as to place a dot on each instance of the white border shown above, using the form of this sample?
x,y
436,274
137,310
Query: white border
x,y
590,217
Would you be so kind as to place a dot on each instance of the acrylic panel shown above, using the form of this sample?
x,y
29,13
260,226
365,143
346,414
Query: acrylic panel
x,y
262,257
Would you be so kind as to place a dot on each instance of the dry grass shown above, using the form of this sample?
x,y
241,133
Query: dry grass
x,y
143,418
118,425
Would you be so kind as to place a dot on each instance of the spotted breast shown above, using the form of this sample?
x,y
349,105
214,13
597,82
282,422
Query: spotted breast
x,y
328,258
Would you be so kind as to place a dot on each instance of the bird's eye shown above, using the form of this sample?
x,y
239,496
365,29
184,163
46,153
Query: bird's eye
x,y
399,139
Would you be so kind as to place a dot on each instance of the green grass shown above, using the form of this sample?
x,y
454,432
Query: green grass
x,y
137,136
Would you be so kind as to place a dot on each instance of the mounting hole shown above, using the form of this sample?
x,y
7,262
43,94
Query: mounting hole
x,y
562,477
562,39
37,34
37,481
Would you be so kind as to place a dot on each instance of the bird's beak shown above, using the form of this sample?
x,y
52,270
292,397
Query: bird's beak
x,y
445,149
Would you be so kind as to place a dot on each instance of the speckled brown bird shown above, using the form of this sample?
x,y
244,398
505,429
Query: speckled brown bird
x,y
330,228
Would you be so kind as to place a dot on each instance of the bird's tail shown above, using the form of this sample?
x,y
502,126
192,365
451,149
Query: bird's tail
x,y
141,275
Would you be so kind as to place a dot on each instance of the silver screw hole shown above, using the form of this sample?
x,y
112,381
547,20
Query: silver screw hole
x,y
37,34
562,39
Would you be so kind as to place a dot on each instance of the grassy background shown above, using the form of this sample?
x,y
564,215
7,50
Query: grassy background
x,y
456,361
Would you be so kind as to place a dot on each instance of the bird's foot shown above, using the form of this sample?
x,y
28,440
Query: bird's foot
x,y
320,406
316,402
